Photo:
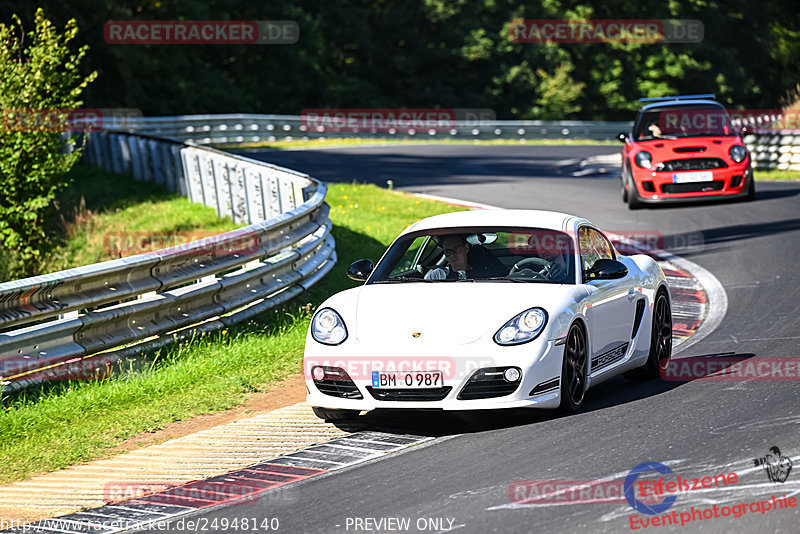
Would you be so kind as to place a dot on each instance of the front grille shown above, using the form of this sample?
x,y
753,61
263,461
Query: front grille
x,y
693,187
691,164
409,395
337,383
488,383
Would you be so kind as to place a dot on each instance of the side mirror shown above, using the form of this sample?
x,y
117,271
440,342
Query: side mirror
x,y
605,269
360,270
622,137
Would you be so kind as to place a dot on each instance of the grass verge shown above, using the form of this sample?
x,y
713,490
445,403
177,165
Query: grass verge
x,y
54,426
101,212
776,175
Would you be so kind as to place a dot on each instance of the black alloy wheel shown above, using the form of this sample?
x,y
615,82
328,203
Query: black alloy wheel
x,y
574,368
661,342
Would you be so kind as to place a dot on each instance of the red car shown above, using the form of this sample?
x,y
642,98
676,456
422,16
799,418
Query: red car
x,y
684,148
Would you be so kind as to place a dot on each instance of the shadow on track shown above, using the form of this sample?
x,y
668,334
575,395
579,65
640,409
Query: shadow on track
x,y
423,166
732,236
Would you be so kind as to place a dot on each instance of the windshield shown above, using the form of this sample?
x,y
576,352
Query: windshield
x,y
673,122
479,255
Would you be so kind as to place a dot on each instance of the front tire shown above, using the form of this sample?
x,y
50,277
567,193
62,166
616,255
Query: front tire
x,y
623,188
751,189
330,414
573,370
634,201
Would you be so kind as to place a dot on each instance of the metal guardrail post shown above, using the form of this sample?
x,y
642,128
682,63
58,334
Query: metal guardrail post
x,y
180,184
155,159
136,158
125,154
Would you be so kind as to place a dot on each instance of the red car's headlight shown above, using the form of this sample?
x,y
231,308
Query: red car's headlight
x,y
643,159
737,153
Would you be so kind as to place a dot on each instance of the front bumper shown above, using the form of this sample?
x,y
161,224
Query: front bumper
x,y
658,186
540,364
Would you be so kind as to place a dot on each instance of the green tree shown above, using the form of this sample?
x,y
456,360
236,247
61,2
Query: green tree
x,y
558,93
39,83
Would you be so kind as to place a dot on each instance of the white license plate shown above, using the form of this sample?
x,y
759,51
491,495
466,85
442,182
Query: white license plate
x,y
689,177
407,379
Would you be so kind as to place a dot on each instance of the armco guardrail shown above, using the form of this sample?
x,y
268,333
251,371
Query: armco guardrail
x,y
775,150
771,149
50,323
242,128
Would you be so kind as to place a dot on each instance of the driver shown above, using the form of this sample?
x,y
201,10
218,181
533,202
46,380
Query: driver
x,y
653,129
460,267
557,270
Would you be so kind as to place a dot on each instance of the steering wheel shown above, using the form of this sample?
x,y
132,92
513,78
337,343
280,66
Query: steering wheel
x,y
527,263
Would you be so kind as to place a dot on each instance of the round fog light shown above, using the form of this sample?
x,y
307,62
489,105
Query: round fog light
x,y
318,373
511,374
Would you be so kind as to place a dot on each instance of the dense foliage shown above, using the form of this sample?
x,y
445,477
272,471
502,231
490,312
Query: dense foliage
x,y
39,82
436,53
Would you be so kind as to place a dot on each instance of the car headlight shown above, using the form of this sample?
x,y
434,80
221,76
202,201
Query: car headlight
x,y
523,328
643,159
327,327
737,153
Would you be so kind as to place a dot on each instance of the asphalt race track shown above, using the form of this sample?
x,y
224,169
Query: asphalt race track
x,y
464,480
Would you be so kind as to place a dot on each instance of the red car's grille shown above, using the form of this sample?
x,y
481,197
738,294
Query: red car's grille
x,y
691,164
695,187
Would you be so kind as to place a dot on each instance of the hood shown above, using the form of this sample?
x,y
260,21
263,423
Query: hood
x,y
446,312
690,147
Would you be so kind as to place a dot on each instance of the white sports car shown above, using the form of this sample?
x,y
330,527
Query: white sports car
x,y
488,309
